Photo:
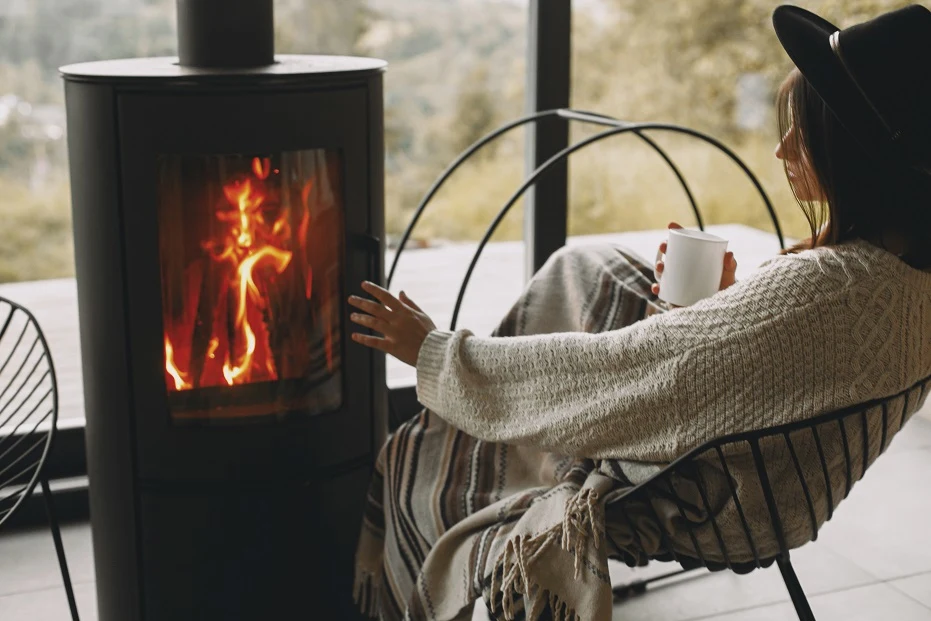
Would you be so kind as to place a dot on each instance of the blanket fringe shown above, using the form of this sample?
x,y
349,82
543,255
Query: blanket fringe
x,y
366,592
584,517
561,610
513,566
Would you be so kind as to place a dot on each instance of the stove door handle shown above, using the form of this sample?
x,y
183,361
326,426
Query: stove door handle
x,y
372,247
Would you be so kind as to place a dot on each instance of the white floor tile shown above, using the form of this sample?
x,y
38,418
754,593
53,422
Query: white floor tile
x,y
49,605
915,434
699,594
917,587
28,561
869,603
882,527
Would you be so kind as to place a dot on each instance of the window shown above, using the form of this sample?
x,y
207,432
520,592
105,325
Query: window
x,y
709,65
36,37
456,71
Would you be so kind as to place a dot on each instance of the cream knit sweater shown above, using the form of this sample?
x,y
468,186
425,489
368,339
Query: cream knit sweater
x,y
805,334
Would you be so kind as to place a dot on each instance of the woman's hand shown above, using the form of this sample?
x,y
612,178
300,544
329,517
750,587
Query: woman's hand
x,y
404,325
728,276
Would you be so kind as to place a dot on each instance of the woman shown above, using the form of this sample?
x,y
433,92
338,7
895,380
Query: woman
x,y
499,488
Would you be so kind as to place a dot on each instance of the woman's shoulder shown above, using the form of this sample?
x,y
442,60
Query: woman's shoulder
x,y
812,280
850,265
841,284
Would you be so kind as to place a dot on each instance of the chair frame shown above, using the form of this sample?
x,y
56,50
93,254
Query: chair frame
x,y
753,438
617,127
39,477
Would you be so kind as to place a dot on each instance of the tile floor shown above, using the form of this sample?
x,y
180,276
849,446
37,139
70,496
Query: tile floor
x,y
873,561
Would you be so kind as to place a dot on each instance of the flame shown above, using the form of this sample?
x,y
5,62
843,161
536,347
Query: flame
x,y
247,250
261,167
302,233
258,260
249,293
178,376
247,201
248,245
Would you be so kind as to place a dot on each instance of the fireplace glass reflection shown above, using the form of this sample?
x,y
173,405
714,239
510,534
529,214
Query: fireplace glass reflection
x,y
251,253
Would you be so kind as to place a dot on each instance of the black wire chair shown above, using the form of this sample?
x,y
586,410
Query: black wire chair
x,y
741,502
28,418
744,501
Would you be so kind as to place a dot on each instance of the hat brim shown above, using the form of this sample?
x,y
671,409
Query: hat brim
x,y
806,39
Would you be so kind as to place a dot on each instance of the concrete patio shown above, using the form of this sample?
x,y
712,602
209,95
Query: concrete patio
x,y
872,561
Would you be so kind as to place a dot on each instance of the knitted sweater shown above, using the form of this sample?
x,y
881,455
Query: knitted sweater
x,y
803,335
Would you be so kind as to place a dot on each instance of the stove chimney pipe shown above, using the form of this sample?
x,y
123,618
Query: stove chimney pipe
x,y
226,33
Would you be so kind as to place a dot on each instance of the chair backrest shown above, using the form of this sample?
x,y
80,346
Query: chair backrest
x,y
743,500
28,405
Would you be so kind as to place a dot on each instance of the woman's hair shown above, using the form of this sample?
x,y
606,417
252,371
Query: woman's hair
x,y
858,194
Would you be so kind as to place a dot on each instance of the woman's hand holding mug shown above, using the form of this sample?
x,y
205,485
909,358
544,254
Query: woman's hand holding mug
x,y
694,256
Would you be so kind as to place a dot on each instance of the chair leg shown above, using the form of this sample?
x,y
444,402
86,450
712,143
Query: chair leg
x,y
638,587
795,590
59,549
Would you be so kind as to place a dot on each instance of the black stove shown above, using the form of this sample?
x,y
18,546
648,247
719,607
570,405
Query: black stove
x,y
226,203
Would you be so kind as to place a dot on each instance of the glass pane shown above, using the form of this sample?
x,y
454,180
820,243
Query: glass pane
x,y
251,263
456,72
706,64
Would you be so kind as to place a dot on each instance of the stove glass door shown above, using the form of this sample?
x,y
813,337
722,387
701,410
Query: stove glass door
x,y
251,261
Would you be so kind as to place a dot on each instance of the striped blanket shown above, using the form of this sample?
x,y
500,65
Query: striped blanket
x,y
450,518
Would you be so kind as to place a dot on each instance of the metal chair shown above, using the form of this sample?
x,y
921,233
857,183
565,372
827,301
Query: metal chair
x,y
785,468
28,417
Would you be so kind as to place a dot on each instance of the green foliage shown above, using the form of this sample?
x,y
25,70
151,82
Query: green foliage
x,y
680,60
476,113
675,61
37,242
29,81
51,33
17,150
320,27
626,186
465,207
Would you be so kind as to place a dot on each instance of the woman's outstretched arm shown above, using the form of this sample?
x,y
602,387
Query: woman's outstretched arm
x,y
573,393
614,394
647,391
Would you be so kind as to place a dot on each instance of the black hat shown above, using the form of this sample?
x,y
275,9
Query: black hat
x,y
875,76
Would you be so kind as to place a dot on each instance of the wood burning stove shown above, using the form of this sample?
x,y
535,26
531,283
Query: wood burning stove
x,y
225,204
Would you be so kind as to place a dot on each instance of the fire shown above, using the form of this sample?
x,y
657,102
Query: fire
x,y
251,297
261,167
251,253
180,381
304,227
246,247
249,246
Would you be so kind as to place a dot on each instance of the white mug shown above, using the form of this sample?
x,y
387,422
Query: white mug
x,y
692,268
